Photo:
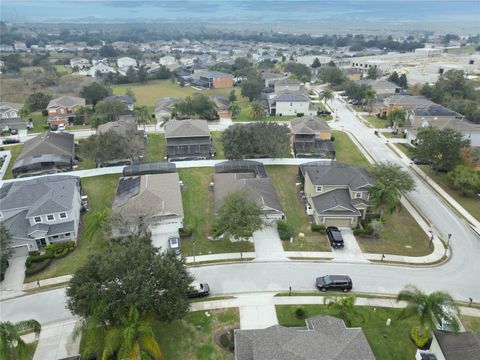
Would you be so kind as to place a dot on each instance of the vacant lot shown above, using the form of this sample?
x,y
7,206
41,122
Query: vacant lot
x,y
347,152
387,342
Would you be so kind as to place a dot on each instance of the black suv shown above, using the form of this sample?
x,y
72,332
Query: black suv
x,y
334,282
335,237
198,290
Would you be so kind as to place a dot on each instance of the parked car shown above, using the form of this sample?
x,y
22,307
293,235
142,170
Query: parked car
x,y
421,161
174,244
324,112
334,282
353,102
61,127
198,290
335,237
10,141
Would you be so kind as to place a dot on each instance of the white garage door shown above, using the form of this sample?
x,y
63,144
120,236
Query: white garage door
x,y
340,222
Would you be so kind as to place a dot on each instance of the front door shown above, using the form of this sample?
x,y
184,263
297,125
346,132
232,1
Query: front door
x,y
41,242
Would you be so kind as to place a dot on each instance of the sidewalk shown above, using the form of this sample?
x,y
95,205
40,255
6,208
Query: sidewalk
x,y
221,257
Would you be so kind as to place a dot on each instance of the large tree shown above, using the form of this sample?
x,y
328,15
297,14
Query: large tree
x,y
234,109
196,105
390,182
252,89
465,179
154,282
256,139
300,71
372,73
332,75
397,118
94,92
5,247
37,101
239,217
110,110
440,146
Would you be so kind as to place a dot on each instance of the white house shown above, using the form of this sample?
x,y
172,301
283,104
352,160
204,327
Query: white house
x,y
167,60
291,103
126,62
79,62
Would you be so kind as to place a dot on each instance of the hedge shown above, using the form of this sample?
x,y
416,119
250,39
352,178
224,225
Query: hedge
x,y
185,232
57,250
318,228
285,231
366,231
37,267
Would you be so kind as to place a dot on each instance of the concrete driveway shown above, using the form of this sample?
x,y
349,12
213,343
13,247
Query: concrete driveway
x,y
14,277
351,251
160,239
268,245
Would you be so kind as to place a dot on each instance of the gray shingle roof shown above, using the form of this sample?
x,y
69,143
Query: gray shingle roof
x,y
66,102
120,127
186,128
325,338
339,174
215,74
129,100
288,82
292,97
335,202
434,110
49,143
166,104
309,125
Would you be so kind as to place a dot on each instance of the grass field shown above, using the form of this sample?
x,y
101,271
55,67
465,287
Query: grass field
x,y
471,204
217,144
347,152
284,180
198,210
39,123
387,342
245,113
15,151
376,122
100,191
156,148
148,93
407,149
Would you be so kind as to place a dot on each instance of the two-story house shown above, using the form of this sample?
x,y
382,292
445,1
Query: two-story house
x,y
126,62
41,211
311,138
188,139
337,194
216,80
61,111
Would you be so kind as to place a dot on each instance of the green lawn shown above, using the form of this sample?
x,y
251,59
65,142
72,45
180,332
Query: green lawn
x,y
376,122
217,144
471,323
100,191
387,342
471,204
347,152
39,123
401,235
15,151
148,93
156,148
198,210
407,149
284,179
245,113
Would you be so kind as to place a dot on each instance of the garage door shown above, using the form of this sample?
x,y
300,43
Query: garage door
x,y
338,222
20,251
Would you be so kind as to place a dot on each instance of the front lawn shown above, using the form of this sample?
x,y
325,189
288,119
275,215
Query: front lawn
x,y
40,123
346,150
245,114
401,235
387,342
407,149
197,201
156,148
376,122
14,151
101,192
284,180
471,323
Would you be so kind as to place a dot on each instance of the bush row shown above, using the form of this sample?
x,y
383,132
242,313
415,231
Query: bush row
x,y
366,231
285,231
36,262
318,228
37,267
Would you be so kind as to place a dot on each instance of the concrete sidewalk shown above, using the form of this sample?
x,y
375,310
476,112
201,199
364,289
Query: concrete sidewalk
x,y
220,257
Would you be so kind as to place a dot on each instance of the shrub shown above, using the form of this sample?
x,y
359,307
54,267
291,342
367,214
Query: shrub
x,y
225,340
284,230
37,267
36,259
332,138
34,253
300,313
62,253
366,231
419,340
318,228
186,232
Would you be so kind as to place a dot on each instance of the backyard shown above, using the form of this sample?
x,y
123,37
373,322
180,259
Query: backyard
x,y
387,342
198,210
156,148
376,122
217,144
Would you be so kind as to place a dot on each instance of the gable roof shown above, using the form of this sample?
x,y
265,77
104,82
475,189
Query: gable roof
x,y
186,128
324,338
434,110
66,102
49,143
335,202
120,127
339,174
459,346
408,101
309,125
4,105
166,103
129,100
215,74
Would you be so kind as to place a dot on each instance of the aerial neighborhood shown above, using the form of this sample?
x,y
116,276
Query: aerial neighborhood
x,y
322,190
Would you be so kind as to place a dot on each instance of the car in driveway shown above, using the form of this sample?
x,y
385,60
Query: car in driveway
x,y
334,282
174,244
421,161
335,237
324,112
10,141
197,290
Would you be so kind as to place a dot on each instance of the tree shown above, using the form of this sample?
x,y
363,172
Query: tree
x,y
252,89
370,96
238,217
429,310
197,104
24,113
94,92
130,92
154,282
108,51
232,97
316,63
37,101
332,75
110,110
393,77
234,109
300,71
327,95
12,345
6,251
440,146
82,115
373,73
142,74
465,179
344,308
390,182
402,81
397,118
142,115
257,111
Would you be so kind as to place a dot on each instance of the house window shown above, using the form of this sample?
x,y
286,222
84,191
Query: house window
x,y
319,188
67,235
358,195
37,219
55,237
50,217
63,215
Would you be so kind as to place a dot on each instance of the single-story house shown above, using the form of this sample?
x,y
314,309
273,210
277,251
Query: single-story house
x,y
46,153
408,102
323,338
41,211
311,137
188,139
127,100
337,194
164,106
9,110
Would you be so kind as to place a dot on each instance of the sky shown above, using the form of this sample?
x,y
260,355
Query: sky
x,y
242,10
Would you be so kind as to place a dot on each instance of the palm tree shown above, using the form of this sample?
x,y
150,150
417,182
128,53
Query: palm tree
x,y
429,309
327,95
384,196
344,307
370,96
234,109
257,111
397,118
11,344
142,115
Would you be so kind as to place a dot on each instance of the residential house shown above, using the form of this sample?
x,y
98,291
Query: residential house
x,y
216,80
41,211
311,138
323,338
408,102
62,110
99,60
16,124
9,110
290,103
121,127
337,194
127,100
46,153
79,62
99,68
250,178
164,106
222,103
288,85
271,78
188,139
167,60
154,199
126,62
382,87
447,345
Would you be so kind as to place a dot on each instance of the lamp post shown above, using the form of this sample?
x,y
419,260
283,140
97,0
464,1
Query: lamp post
x,y
448,243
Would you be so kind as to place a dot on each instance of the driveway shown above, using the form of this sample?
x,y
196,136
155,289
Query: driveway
x,y
351,252
268,245
14,277
160,239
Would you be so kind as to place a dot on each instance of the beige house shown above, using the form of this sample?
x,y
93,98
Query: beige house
x,y
337,194
311,137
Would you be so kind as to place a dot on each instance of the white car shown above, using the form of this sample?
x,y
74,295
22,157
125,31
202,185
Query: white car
x,y
61,127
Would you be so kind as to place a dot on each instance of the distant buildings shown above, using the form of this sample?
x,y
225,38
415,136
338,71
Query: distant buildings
x,y
216,80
